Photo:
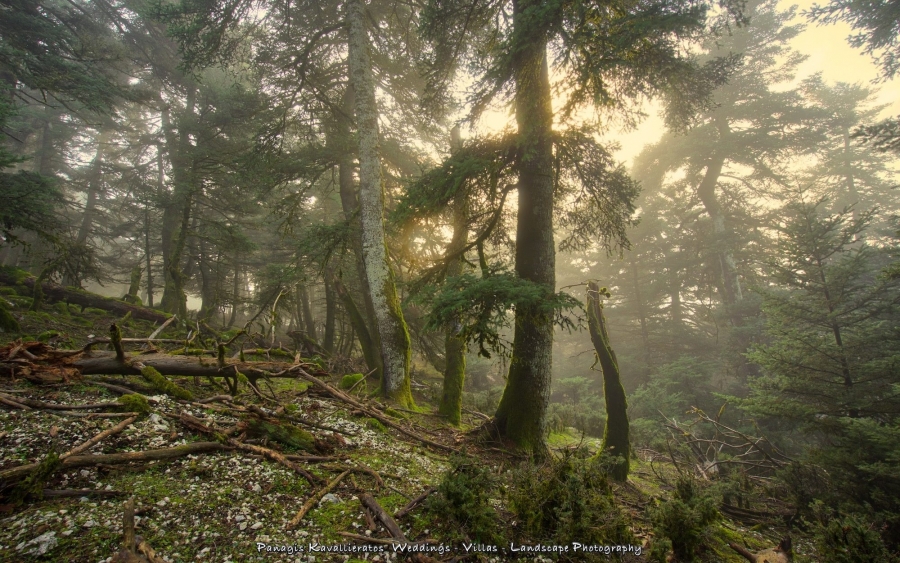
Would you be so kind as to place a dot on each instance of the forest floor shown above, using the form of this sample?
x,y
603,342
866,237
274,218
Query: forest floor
x,y
235,503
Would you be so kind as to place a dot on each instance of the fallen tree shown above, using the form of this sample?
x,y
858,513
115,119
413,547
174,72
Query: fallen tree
x,y
54,292
102,363
76,461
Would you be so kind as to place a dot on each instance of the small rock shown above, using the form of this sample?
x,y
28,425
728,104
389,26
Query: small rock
x,y
89,524
330,497
242,526
240,518
257,488
256,526
42,544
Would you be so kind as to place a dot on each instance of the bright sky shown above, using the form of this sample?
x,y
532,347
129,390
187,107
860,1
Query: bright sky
x,y
828,52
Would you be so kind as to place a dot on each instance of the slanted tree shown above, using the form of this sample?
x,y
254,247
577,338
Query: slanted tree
x,y
615,436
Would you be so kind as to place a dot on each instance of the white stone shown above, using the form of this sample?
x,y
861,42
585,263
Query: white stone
x,y
256,526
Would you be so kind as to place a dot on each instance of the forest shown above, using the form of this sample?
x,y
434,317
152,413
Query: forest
x,y
449,280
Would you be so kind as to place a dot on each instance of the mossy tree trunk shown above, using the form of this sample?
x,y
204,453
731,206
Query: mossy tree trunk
x,y
454,344
391,327
341,140
522,410
615,436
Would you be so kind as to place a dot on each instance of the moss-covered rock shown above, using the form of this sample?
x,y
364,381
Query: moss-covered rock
x,y
376,424
47,335
8,323
350,380
134,402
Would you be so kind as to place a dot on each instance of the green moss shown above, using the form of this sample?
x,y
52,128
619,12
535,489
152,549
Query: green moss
x,y
47,335
454,378
134,402
33,484
164,385
21,302
284,434
62,308
7,291
94,311
396,414
8,323
350,380
376,424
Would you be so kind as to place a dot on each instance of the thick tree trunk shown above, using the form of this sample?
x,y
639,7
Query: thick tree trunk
x,y
615,436
308,321
522,410
391,328
209,283
706,191
350,203
454,344
53,292
330,311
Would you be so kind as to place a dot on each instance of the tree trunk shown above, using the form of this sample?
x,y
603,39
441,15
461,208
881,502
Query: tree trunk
x,y
148,257
522,410
706,191
177,214
330,310
391,328
454,344
615,436
350,204
308,321
642,314
95,187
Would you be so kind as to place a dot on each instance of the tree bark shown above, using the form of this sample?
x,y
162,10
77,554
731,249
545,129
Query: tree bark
x,y
454,344
177,215
95,187
706,191
615,435
392,332
366,331
522,410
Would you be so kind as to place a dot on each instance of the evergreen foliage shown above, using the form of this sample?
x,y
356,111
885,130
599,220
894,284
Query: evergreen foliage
x,y
682,523
478,307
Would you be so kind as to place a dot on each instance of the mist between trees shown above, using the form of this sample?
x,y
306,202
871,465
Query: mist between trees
x,y
316,175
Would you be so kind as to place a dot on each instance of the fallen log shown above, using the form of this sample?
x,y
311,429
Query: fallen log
x,y
35,404
369,502
197,424
100,363
98,438
307,506
340,395
77,461
54,292
414,503
66,493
